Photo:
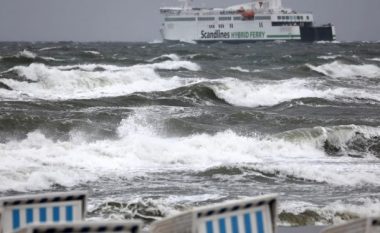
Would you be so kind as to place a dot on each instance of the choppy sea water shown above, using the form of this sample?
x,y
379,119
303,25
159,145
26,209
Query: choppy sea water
x,y
153,129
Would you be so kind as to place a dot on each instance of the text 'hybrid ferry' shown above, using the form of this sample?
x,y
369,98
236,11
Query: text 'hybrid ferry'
x,y
259,20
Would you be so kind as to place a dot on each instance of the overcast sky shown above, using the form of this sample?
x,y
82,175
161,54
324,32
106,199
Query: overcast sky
x,y
139,20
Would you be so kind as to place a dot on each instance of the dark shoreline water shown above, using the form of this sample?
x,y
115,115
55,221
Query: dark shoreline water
x,y
152,129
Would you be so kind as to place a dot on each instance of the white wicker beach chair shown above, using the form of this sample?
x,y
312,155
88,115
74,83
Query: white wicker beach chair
x,y
365,225
85,227
18,211
255,215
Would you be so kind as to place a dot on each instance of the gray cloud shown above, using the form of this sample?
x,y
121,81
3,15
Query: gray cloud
x,y
139,20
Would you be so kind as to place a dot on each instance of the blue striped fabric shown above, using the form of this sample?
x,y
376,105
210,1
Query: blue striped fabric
x,y
235,224
16,218
43,217
209,227
222,225
69,213
260,222
56,213
239,223
29,215
247,223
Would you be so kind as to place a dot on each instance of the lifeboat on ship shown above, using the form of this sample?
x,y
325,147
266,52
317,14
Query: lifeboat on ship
x,y
247,14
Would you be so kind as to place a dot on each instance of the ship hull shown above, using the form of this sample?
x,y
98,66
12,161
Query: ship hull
x,y
307,34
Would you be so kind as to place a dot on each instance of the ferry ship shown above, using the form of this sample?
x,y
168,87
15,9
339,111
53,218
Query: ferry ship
x,y
258,20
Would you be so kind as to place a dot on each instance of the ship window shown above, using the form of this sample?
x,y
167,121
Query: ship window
x,y
307,17
224,18
279,17
301,17
180,19
237,18
287,17
231,25
221,25
211,26
285,24
265,17
206,18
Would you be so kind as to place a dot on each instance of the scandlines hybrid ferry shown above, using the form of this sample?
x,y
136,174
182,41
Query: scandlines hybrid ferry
x,y
258,20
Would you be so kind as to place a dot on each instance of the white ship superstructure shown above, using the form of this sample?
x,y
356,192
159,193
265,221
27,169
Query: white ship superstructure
x,y
253,21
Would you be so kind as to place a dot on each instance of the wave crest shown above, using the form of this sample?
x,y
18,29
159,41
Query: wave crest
x,y
139,141
337,69
261,93
92,80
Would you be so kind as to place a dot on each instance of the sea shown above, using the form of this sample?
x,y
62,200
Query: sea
x,y
154,129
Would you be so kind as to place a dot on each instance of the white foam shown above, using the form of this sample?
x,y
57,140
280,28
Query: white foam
x,y
238,68
374,59
49,48
361,207
264,93
172,65
329,57
279,41
328,42
27,54
339,70
188,41
92,52
38,162
51,59
84,81
156,41
364,207
173,57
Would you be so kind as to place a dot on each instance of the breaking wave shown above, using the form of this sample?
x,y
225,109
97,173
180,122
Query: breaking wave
x,y
92,80
96,53
148,209
351,140
238,68
27,56
251,94
337,69
374,59
134,153
39,81
329,57
50,48
290,212
305,213
172,57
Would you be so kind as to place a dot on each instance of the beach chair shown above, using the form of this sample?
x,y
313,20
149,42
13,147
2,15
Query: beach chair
x,y
85,227
18,211
365,225
254,215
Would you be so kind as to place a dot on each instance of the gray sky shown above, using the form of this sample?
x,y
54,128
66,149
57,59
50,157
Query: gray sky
x,y
139,20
